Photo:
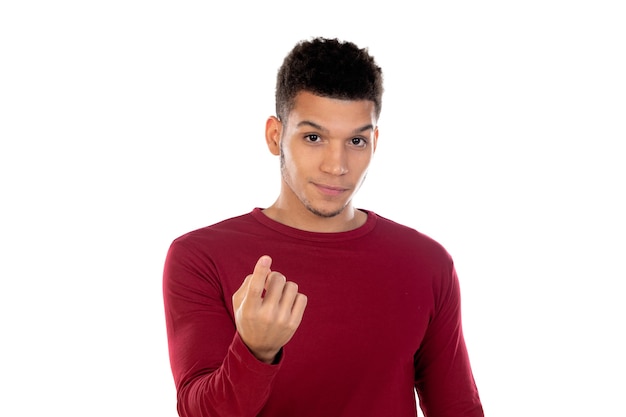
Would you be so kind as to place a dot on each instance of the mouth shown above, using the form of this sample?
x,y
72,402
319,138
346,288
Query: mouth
x,y
330,190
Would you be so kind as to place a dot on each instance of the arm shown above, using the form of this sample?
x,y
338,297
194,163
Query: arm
x,y
216,372
443,376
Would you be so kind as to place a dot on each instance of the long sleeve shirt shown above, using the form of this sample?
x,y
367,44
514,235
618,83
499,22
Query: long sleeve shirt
x,y
383,320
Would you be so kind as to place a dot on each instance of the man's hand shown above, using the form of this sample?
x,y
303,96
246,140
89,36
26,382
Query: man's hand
x,y
266,322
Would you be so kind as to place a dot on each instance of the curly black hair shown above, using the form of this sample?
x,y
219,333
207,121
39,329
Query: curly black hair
x,y
328,68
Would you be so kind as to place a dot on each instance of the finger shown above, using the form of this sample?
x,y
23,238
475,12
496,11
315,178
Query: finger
x,y
297,312
259,276
274,288
290,291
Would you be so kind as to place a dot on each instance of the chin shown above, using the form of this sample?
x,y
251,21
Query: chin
x,y
329,213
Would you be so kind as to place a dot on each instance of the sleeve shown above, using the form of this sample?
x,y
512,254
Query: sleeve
x,y
214,372
443,376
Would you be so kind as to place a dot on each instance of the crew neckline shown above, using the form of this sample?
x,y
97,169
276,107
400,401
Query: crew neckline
x,y
362,230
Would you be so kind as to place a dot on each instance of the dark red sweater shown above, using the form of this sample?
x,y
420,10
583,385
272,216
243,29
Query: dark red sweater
x,y
383,319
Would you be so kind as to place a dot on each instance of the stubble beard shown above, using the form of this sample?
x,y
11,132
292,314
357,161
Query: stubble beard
x,y
305,202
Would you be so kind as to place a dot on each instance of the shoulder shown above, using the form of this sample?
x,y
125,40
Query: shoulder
x,y
216,230
213,250
403,236
214,236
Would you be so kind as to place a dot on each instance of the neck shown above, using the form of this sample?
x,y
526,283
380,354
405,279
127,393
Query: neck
x,y
349,219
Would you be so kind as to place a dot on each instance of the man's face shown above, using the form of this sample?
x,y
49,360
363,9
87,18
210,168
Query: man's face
x,y
325,148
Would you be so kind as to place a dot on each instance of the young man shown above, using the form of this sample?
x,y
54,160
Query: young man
x,y
312,307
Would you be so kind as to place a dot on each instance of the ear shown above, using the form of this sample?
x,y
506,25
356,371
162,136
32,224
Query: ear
x,y
273,133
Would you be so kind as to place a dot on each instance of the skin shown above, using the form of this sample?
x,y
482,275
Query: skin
x,y
325,147
267,323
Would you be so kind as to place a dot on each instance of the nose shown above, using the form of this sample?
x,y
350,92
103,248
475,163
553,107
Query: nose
x,y
335,160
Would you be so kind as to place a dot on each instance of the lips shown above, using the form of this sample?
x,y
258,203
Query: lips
x,y
330,190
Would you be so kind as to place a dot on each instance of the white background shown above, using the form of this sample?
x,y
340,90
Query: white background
x,y
124,124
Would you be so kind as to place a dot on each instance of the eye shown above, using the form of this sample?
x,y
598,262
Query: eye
x,y
358,142
312,138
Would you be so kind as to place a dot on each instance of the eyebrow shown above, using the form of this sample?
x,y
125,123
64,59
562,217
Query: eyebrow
x,y
323,129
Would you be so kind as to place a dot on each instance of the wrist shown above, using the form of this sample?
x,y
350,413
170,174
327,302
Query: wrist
x,y
269,357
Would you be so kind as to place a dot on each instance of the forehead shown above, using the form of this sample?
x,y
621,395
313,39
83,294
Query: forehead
x,y
331,112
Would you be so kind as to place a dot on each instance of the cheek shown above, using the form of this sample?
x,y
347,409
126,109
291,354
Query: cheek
x,y
290,168
362,164
296,162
